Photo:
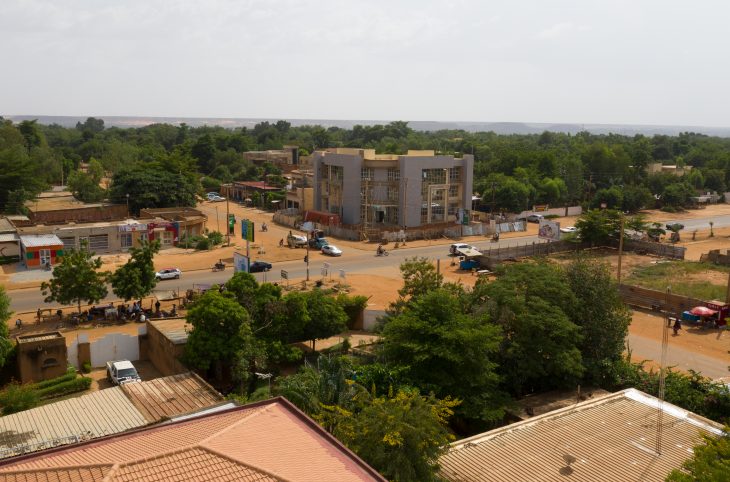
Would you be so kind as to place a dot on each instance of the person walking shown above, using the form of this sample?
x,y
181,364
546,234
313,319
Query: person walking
x,y
676,327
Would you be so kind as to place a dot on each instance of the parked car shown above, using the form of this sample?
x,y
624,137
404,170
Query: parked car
x,y
259,266
168,273
216,199
121,371
532,218
569,229
297,240
331,250
318,243
212,194
454,248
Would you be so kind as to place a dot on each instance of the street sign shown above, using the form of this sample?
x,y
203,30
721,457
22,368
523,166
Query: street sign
x,y
247,230
342,273
324,271
284,275
231,224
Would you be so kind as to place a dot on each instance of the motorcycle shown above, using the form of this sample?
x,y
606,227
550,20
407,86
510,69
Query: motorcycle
x,y
219,267
382,253
495,238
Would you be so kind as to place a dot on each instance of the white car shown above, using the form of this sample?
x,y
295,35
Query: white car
x,y
212,194
215,199
569,229
168,273
454,248
331,250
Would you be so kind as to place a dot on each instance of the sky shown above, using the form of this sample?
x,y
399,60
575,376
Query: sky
x,y
661,62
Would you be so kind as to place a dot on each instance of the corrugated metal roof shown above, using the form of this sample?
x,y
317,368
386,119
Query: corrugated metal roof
x,y
40,240
611,438
172,328
171,396
8,238
6,226
86,417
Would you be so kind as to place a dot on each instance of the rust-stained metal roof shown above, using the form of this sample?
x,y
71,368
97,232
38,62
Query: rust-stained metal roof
x,y
171,396
264,441
69,421
40,240
174,329
607,439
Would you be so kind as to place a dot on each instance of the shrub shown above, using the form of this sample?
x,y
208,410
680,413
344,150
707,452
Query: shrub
x,y
86,367
189,241
203,244
215,237
353,306
70,386
70,375
551,216
17,397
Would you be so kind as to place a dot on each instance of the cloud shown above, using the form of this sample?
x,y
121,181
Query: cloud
x,y
561,29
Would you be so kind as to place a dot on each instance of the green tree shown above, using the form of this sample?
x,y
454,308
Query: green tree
x,y
598,226
84,188
710,462
76,279
31,133
447,352
401,436
136,278
152,187
601,314
636,197
677,195
612,197
419,277
326,317
6,346
541,348
220,328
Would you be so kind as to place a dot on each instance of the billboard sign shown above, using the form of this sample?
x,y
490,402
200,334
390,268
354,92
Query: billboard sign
x,y
549,230
240,263
247,230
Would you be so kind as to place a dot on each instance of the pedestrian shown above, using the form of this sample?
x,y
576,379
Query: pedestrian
x,y
677,326
38,314
18,323
281,243
157,306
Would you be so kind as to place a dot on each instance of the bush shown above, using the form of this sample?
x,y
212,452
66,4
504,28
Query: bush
x,y
70,375
70,386
189,241
203,244
17,397
551,216
215,238
86,367
353,307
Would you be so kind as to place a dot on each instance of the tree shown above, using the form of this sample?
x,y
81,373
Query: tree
x,y
152,187
612,198
31,133
401,436
84,188
598,226
220,327
541,348
677,195
76,279
419,277
136,278
636,197
709,462
6,346
601,314
326,317
447,352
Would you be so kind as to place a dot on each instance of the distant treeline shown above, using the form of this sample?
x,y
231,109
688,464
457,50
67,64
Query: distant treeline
x,y
161,164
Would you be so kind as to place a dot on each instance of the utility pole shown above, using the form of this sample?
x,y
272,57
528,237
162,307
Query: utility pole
x,y
620,248
491,211
727,295
228,222
405,209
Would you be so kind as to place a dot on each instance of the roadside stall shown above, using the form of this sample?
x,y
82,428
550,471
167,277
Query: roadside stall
x,y
723,311
700,314
468,258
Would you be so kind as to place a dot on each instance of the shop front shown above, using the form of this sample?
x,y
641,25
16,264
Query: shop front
x,y
39,251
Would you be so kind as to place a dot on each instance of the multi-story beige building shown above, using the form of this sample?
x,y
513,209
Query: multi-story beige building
x,y
399,190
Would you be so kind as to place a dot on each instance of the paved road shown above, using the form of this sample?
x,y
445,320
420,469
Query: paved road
x,y
353,261
650,349
702,223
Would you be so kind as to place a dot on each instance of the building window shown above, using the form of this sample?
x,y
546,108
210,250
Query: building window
x,y
453,190
392,193
336,173
424,214
393,174
126,240
84,242
143,237
366,173
455,174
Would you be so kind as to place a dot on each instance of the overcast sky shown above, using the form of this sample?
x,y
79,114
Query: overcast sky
x,y
638,62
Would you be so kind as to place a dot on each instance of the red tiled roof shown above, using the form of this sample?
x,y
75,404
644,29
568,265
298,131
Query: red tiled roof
x,y
267,441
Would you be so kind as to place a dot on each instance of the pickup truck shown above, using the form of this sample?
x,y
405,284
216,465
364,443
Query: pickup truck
x,y
121,371
318,243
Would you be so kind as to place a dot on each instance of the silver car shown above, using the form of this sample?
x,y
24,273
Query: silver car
x,y
168,273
